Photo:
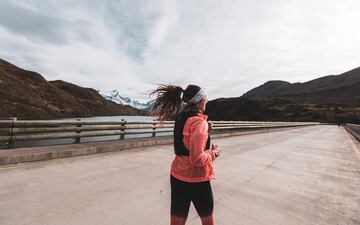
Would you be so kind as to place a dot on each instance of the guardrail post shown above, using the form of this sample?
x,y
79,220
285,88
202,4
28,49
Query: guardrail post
x,y
11,143
154,129
78,131
122,136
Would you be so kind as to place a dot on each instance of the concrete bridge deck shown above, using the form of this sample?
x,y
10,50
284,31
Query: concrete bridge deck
x,y
302,176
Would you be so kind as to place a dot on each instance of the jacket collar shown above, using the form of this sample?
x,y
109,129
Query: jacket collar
x,y
201,115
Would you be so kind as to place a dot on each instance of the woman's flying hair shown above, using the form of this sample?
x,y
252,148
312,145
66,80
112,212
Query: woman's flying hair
x,y
169,100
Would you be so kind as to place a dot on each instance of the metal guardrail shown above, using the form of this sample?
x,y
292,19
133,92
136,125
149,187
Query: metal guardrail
x,y
28,130
353,129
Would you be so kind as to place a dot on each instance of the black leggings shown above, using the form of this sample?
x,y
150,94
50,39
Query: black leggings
x,y
199,193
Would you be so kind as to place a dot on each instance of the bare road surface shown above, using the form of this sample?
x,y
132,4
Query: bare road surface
x,y
302,176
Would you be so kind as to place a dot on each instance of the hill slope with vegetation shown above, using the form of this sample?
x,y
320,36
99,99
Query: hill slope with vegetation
x,y
27,95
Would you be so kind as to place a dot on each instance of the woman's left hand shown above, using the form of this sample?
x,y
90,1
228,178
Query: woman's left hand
x,y
216,150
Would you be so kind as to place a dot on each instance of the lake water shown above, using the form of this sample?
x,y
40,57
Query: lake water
x,y
89,139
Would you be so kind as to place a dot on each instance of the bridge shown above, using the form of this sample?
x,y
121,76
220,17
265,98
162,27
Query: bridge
x,y
299,176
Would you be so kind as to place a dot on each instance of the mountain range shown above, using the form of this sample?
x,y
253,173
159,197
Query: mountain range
x,y
333,98
338,89
116,97
27,95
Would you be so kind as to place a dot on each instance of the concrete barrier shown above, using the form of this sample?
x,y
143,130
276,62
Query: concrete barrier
x,y
22,155
353,129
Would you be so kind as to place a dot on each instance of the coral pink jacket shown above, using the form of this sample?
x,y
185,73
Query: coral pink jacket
x,y
198,166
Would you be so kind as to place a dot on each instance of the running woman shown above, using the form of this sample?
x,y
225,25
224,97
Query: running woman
x,y
192,168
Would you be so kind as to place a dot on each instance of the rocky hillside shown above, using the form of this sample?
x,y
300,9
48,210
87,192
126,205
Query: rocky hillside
x,y
334,98
27,95
336,89
269,88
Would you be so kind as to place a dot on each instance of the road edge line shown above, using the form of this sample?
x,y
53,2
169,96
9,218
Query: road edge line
x,y
352,143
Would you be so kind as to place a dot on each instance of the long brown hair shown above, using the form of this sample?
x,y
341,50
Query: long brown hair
x,y
169,101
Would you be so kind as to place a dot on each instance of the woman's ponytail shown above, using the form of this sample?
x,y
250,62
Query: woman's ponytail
x,y
168,103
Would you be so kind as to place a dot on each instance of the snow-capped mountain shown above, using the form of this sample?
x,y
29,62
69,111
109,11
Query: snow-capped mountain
x,y
115,96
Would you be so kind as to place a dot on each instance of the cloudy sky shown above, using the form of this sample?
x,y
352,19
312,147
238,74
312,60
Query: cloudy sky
x,y
225,46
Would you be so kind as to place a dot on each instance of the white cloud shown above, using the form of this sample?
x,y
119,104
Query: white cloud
x,y
228,46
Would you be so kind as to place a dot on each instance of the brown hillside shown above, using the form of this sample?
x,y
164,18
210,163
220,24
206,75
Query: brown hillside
x,y
334,98
341,89
27,95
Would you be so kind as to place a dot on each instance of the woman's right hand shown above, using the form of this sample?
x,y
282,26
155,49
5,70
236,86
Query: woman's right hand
x,y
216,150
